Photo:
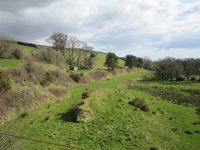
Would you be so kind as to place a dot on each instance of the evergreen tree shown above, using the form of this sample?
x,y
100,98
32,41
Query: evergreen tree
x,y
130,61
111,61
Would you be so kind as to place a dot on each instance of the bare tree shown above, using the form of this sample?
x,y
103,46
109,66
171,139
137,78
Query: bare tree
x,y
81,54
171,68
164,69
74,44
147,63
58,40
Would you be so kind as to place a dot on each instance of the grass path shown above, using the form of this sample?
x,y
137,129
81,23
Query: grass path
x,y
116,125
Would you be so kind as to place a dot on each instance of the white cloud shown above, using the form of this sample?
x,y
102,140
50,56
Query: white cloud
x,y
112,24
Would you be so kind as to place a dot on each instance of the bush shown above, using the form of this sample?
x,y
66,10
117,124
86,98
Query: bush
x,y
5,82
85,95
76,77
18,54
18,74
35,73
193,78
47,79
180,78
98,75
80,114
27,93
8,101
9,49
140,103
50,56
6,45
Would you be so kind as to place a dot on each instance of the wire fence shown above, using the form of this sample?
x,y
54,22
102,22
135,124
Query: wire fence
x,y
10,141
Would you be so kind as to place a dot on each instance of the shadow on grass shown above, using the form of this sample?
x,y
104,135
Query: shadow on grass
x,y
69,116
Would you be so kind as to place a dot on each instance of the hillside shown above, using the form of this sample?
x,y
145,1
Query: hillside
x,y
114,123
99,60
45,105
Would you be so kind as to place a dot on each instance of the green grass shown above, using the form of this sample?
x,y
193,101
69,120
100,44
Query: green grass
x,y
27,49
11,63
116,124
100,59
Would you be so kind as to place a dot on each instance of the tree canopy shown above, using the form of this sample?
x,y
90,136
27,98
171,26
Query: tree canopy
x,y
111,61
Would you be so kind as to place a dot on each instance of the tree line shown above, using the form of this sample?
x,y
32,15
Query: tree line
x,y
177,69
68,49
167,69
72,48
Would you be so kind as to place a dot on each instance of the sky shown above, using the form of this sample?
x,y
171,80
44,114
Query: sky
x,y
153,28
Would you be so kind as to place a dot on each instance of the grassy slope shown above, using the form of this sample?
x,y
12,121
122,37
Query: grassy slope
x,y
27,49
10,63
116,125
99,61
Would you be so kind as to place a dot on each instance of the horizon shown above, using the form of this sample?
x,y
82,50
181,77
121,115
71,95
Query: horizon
x,y
155,29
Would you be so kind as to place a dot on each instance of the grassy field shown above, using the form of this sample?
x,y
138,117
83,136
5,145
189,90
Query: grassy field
x,y
100,59
115,123
10,63
27,49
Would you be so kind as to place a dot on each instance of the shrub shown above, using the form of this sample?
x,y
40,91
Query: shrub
x,y
36,73
47,79
9,48
5,82
6,45
180,78
27,93
85,95
140,103
98,75
193,78
18,54
18,74
8,102
50,56
76,77
81,114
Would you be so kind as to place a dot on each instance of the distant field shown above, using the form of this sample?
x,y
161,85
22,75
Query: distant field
x,y
10,63
27,49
